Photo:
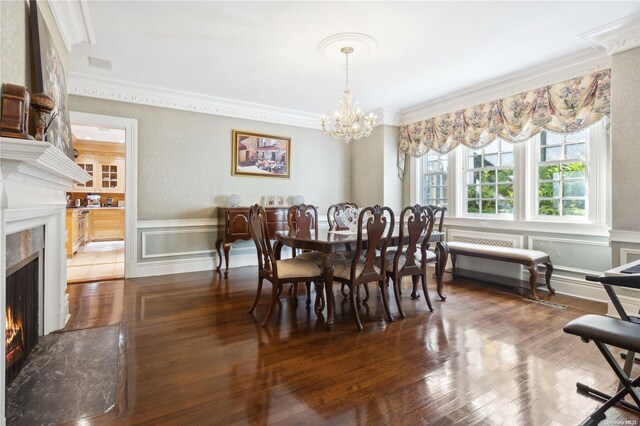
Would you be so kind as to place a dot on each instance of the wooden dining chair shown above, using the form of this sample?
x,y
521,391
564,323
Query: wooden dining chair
x,y
438,210
277,272
411,259
303,219
336,213
335,218
378,222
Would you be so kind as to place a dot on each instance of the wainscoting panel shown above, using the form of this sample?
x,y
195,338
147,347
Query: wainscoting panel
x,y
177,242
574,258
629,255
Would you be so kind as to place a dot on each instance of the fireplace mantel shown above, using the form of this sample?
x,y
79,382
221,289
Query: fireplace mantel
x,y
34,179
41,161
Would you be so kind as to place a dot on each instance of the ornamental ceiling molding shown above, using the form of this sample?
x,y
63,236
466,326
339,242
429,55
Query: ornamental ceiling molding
x,y
582,63
142,94
548,73
617,36
74,21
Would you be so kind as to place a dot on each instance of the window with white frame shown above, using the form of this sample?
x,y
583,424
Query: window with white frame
x,y
434,179
489,179
552,177
562,175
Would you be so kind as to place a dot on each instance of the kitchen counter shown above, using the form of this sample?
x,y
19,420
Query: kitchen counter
x,y
95,208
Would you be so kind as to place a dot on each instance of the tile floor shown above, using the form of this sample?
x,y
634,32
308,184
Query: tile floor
x,y
97,260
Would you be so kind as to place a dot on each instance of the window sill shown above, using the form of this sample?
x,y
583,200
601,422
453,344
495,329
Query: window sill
x,y
550,227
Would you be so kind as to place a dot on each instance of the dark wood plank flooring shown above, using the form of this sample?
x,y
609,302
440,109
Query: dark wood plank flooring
x,y
95,304
195,356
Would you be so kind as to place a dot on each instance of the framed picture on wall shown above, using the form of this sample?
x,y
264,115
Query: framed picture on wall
x,y
258,154
51,80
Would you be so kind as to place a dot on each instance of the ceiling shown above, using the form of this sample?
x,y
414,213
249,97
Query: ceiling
x,y
98,134
267,52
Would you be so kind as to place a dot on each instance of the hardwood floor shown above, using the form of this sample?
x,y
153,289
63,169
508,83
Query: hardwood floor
x,y
195,356
95,304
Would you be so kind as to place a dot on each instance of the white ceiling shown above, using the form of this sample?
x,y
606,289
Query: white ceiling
x,y
266,52
98,134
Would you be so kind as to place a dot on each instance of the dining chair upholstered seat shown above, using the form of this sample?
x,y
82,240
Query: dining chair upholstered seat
x,y
342,269
296,267
315,257
431,257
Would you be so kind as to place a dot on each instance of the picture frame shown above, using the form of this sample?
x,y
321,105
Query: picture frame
x,y
260,155
280,201
50,80
271,201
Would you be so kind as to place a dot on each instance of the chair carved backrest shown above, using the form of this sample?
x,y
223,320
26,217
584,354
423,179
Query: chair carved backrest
x,y
441,210
418,221
378,222
260,235
336,214
303,219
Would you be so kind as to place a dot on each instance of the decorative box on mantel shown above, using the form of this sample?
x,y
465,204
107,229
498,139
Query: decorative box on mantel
x,y
34,179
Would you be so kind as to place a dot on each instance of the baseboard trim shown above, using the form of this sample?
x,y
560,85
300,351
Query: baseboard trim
x,y
179,266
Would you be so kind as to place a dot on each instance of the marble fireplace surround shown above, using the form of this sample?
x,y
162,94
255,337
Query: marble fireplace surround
x,y
34,178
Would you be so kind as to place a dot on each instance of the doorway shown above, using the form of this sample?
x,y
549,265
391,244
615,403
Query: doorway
x,y
101,228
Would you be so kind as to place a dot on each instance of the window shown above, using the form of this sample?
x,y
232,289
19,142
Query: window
x,y
434,179
489,179
552,177
562,175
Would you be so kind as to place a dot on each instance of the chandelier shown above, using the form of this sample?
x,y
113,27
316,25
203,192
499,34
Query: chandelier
x,y
349,123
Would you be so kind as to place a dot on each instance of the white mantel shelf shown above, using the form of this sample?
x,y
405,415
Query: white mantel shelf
x,y
40,160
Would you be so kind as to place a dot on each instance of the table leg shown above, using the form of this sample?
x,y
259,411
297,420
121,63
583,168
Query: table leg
x,y
327,271
442,251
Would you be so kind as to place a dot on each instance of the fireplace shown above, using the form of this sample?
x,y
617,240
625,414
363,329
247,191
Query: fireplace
x,y
25,260
22,314
34,179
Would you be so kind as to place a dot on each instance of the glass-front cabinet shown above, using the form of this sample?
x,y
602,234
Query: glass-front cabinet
x,y
107,172
90,185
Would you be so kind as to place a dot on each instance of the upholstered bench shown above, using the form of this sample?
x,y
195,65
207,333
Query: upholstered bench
x,y
529,258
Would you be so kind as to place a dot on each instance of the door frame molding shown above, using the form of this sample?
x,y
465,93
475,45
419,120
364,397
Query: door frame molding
x,y
130,125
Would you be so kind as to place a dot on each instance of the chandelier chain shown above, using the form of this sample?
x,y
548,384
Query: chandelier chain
x,y
347,54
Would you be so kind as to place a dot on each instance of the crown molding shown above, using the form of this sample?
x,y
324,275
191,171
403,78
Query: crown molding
x,y
74,22
616,36
386,117
582,63
122,91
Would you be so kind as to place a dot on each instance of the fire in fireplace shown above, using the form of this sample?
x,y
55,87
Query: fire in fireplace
x,y
21,317
14,341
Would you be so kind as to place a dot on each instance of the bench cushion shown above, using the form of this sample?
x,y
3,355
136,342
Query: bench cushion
x,y
615,332
505,252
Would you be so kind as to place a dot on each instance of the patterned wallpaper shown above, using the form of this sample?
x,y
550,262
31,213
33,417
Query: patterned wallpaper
x,y
625,128
184,161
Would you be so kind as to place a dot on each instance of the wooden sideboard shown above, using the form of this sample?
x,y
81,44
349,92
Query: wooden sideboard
x,y
235,226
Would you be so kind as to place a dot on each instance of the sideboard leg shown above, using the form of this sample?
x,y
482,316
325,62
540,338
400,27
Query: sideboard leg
x,y
227,249
219,251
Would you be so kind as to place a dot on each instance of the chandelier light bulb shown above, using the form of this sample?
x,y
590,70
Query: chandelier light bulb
x,y
350,123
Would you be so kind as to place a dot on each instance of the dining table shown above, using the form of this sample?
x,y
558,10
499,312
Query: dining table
x,y
330,243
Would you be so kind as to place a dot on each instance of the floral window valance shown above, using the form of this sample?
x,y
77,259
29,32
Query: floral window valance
x,y
565,107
